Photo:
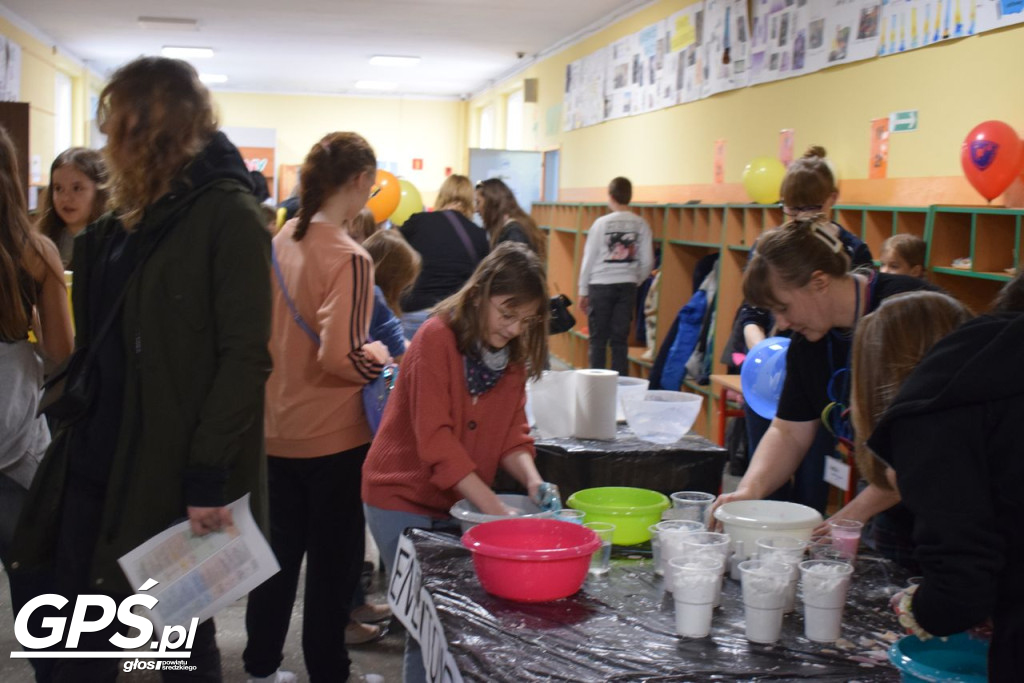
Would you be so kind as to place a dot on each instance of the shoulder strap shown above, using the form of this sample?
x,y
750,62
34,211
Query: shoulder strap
x,y
461,232
288,299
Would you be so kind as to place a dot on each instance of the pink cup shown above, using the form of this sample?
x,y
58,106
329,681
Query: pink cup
x,y
846,536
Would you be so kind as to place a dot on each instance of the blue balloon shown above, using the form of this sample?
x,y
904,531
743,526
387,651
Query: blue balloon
x,y
762,375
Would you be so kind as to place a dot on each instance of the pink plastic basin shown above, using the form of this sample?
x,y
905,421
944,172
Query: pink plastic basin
x,y
531,560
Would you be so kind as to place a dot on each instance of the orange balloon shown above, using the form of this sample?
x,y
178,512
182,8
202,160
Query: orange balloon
x,y
384,196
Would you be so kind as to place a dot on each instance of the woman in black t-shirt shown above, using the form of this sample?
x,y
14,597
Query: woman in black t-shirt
x,y
801,274
450,246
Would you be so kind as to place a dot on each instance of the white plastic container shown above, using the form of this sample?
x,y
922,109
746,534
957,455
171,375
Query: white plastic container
x,y
749,520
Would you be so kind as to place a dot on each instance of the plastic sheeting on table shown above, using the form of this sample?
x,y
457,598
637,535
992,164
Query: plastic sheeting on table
x,y
691,464
621,627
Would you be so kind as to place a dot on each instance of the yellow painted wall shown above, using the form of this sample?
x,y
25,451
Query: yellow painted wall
x,y
668,154
40,64
398,129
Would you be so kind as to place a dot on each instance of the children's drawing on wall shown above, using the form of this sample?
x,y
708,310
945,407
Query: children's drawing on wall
x,y
867,27
816,34
992,14
798,50
840,41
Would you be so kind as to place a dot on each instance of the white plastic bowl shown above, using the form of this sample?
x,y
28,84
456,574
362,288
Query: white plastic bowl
x,y
749,520
469,515
661,416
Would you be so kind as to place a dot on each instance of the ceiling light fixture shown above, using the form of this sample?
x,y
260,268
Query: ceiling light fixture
x,y
179,52
213,78
168,24
376,85
391,60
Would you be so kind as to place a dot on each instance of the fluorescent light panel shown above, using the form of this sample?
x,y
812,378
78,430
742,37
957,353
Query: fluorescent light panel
x,y
180,52
391,60
168,24
376,85
213,78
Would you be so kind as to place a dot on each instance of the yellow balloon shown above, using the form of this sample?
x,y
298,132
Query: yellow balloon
x,y
410,203
762,178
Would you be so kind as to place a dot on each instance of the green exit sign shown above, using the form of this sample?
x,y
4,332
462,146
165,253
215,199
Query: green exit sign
x,y
903,121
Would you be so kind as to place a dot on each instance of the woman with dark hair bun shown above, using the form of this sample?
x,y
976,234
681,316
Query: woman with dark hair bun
x,y
809,192
181,270
800,273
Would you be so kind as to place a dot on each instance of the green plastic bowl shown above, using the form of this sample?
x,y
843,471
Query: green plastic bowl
x,y
631,510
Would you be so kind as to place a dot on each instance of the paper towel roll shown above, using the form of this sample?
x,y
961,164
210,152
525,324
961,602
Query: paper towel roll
x,y
595,404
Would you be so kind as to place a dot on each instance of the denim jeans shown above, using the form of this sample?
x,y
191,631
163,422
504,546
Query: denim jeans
x,y
412,320
387,527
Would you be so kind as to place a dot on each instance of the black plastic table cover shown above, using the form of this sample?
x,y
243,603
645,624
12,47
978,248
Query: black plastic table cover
x,y
621,627
691,464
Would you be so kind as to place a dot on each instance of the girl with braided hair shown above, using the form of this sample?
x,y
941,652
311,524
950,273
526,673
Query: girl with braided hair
x,y
316,431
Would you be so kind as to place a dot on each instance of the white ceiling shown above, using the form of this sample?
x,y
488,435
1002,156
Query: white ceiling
x,y
323,46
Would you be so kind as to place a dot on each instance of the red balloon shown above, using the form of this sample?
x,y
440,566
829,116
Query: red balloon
x,y
992,156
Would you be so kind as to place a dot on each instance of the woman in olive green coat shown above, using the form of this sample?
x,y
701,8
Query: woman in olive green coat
x,y
175,429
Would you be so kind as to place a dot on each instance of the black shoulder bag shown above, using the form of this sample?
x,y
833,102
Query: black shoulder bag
x,y
69,392
562,319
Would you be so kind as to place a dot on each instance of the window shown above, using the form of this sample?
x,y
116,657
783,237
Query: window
x,y
514,120
487,127
62,124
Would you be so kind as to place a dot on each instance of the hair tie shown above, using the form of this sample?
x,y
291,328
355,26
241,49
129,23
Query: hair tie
x,y
811,215
827,234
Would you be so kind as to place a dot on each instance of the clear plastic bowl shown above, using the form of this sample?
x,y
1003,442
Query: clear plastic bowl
x,y
661,416
469,515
